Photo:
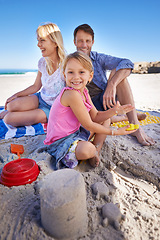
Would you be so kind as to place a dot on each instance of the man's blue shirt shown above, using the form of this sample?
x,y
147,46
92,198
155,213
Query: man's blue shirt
x,y
102,62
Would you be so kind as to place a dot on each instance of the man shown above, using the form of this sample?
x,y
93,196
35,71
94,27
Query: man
x,y
102,91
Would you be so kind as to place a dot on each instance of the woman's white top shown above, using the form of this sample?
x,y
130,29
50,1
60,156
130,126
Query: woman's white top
x,y
51,84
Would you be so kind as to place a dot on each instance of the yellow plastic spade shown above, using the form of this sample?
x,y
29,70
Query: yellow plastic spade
x,y
132,126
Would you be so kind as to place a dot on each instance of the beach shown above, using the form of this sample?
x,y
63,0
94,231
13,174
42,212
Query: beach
x,y
130,171
12,83
145,88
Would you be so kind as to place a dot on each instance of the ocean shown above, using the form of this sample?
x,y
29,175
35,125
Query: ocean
x,y
16,71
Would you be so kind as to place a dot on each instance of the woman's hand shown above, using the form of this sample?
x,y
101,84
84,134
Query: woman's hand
x,y
10,99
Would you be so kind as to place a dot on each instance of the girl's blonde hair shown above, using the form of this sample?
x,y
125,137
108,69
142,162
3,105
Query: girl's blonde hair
x,y
84,60
54,33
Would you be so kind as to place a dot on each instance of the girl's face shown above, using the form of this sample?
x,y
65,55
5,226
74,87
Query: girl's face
x,y
76,75
47,46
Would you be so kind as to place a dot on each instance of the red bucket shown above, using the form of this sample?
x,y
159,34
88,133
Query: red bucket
x,y
19,172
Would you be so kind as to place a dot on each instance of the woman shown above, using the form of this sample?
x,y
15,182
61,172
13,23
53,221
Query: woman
x,y
29,106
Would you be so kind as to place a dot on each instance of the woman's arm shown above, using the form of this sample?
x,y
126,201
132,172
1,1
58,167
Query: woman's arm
x,y
28,91
33,88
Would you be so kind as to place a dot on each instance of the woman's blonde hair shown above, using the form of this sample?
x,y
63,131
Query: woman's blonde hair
x,y
82,58
54,33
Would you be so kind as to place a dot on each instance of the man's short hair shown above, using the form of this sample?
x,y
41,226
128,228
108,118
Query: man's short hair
x,y
86,28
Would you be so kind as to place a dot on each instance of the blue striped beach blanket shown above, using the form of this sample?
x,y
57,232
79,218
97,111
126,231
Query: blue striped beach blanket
x,y
8,131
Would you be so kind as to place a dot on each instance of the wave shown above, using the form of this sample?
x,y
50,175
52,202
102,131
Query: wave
x,y
16,71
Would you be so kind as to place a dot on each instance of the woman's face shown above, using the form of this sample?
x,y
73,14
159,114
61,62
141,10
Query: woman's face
x,y
47,46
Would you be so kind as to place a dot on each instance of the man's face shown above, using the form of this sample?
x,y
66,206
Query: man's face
x,y
83,42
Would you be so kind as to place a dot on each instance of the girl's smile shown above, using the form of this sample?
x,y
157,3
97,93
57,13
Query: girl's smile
x,y
76,75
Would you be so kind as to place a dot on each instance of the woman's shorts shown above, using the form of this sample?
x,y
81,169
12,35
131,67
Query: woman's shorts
x,y
43,105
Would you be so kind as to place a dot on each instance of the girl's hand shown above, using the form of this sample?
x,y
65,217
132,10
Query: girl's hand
x,y
122,109
9,100
123,131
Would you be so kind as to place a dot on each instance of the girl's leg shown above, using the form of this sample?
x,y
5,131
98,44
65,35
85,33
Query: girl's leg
x,y
100,138
98,143
86,150
25,118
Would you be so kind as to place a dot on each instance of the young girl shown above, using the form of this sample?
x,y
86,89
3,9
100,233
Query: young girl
x,y
29,106
73,109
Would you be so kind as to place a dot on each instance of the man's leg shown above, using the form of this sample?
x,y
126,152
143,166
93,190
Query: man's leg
x,y
125,96
98,103
120,118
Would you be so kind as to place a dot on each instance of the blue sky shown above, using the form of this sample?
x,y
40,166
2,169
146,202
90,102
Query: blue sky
x,y
128,29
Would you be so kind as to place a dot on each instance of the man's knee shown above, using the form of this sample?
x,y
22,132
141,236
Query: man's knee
x,y
112,73
123,84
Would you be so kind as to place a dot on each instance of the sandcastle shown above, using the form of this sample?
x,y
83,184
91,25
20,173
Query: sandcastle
x,y
63,204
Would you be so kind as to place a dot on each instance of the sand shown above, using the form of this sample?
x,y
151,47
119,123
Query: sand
x,y
10,84
130,171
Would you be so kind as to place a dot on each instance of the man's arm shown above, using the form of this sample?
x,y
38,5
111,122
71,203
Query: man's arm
x,y
109,62
121,68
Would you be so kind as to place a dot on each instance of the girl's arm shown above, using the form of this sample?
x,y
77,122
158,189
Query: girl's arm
x,y
101,116
73,99
28,91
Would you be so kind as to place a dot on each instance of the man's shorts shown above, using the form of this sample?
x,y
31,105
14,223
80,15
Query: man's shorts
x,y
98,101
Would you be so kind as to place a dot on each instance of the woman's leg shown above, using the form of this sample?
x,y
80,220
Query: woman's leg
x,y
86,150
21,104
3,114
25,118
24,111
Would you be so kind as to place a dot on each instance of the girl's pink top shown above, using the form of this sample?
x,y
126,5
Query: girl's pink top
x,y
62,121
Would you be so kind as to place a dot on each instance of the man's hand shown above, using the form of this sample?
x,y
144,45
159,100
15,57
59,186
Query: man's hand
x,y
109,97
